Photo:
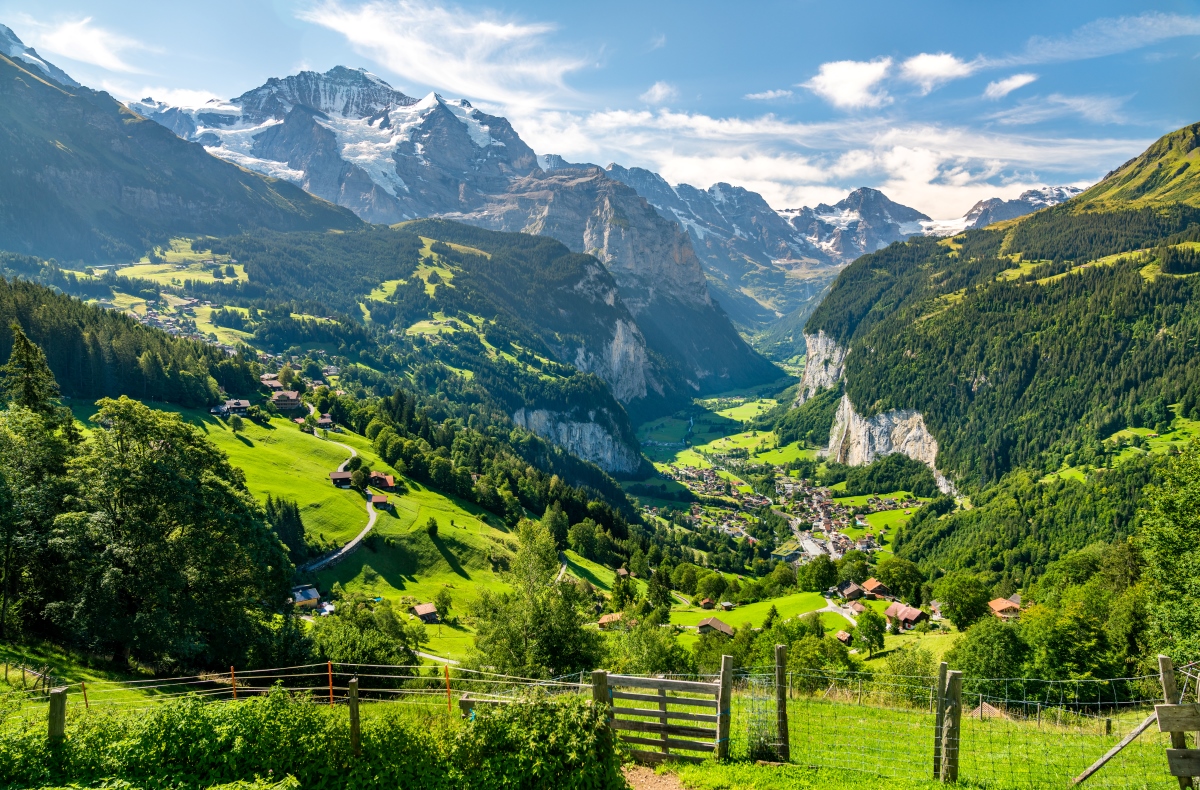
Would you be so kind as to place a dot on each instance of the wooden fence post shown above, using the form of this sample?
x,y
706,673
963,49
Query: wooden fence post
x,y
939,718
600,688
1166,674
355,732
951,727
57,731
781,721
724,707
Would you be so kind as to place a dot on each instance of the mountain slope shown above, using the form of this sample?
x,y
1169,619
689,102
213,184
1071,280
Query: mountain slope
x,y
87,179
15,49
1168,172
1022,345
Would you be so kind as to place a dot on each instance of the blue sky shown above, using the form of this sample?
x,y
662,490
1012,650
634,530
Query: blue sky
x,y
938,104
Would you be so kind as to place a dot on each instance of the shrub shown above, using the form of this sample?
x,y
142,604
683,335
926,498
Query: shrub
x,y
189,743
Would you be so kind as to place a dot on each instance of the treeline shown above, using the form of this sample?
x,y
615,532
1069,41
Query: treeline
x,y
1063,233
895,472
98,353
810,423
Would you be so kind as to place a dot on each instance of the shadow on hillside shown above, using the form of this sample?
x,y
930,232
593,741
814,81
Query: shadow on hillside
x,y
449,557
244,440
587,575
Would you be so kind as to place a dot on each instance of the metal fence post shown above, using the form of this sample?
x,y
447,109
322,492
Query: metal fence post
x,y
355,731
1166,674
939,718
57,731
724,706
781,720
952,727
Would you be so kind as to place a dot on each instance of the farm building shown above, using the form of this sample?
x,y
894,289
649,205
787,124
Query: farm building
x,y
844,637
1005,609
610,620
709,624
426,613
286,399
875,587
305,597
906,616
707,603
340,479
380,480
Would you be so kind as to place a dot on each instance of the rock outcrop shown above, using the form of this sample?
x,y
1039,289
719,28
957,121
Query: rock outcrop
x,y
858,441
589,439
824,363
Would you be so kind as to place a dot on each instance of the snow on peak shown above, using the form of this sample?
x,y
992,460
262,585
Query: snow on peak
x,y
14,48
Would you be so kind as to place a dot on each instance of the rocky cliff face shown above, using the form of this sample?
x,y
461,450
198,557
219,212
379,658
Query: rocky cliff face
x,y
587,439
857,441
825,361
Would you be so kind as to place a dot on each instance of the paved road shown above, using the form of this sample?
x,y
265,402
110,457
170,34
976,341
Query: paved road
x,y
830,606
337,556
432,657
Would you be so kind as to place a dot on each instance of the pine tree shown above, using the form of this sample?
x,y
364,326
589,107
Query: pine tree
x,y
26,378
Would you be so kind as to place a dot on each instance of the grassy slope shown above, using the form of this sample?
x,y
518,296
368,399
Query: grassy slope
x,y
754,613
1167,172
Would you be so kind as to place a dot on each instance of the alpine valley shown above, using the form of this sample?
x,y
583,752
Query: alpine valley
x,y
329,344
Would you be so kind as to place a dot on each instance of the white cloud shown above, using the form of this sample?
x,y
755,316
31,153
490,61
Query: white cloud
x,y
768,95
1097,109
1106,37
660,93
1001,88
469,53
850,84
657,42
929,71
80,40
176,97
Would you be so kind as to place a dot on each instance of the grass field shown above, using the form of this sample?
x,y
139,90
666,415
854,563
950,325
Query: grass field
x,y
786,454
598,575
754,613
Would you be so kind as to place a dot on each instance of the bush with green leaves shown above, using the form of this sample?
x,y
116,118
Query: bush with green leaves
x,y
189,743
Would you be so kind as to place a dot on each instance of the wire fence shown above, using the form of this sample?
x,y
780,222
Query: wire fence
x,y
1017,733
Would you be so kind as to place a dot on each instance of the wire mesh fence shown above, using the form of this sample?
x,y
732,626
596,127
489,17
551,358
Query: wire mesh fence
x,y
1013,733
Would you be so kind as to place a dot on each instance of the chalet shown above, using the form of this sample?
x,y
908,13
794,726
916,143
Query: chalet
x,y
340,479
857,607
875,587
286,399
726,606
844,637
264,378
237,407
610,620
325,421
707,603
936,608
709,624
380,500
621,572
906,616
380,480
273,385
850,591
1005,609
305,597
426,613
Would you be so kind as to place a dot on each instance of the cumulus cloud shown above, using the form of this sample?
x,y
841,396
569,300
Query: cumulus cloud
x,y
929,71
1001,88
83,41
851,84
660,93
470,53
768,95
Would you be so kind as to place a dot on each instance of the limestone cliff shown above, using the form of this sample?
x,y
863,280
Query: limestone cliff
x,y
858,441
589,440
824,363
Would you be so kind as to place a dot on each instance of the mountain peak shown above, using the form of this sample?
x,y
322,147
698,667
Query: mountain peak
x,y
350,93
12,47
1166,172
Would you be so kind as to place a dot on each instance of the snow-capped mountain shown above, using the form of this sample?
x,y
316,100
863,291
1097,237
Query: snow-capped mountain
x,y
864,221
985,212
351,138
15,49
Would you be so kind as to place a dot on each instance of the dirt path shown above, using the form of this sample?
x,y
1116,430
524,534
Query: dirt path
x,y
642,778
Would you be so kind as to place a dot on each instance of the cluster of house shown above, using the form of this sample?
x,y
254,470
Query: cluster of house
x,y
376,480
898,613
308,598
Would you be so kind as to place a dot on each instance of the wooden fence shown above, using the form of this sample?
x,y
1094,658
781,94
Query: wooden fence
x,y
638,724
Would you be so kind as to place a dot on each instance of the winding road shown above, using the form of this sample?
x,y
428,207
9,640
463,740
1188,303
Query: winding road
x,y
337,556
830,606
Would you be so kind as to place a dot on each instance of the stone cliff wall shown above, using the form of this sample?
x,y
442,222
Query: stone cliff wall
x,y
824,362
591,441
858,441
